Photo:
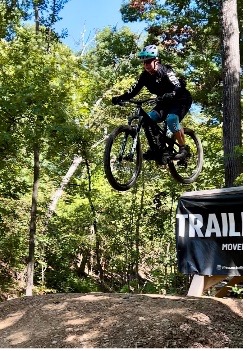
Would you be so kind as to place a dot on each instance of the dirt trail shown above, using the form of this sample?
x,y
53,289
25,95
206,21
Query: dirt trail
x,y
98,320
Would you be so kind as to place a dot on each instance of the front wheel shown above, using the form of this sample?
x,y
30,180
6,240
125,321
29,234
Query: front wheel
x,y
123,158
188,170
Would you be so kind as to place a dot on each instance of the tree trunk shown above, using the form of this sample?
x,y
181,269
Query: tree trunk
x,y
94,226
32,228
231,91
137,231
58,193
36,17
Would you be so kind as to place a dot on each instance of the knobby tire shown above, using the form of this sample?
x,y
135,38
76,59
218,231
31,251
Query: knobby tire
x,y
115,169
177,172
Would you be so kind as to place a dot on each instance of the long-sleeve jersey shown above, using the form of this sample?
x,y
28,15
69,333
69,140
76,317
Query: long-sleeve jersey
x,y
162,81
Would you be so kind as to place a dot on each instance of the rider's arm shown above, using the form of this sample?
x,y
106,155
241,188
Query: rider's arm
x,y
133,90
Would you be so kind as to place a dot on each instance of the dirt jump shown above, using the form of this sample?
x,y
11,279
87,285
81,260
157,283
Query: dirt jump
x,y
100,320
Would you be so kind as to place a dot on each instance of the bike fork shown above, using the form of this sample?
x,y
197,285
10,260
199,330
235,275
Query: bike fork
x,y
130,155
133,148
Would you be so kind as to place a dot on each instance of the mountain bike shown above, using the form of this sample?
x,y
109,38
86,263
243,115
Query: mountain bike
x,y
123,156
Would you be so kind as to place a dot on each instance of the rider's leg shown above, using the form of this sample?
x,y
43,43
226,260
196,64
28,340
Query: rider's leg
x,y
183,150
176,112
180,136
175,127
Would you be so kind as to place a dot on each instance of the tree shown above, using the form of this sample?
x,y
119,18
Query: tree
x,y
10,16
231,91
40,117
45,12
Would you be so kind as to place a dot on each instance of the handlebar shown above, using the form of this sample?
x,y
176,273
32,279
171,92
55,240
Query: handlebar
x,y
137,102
141,102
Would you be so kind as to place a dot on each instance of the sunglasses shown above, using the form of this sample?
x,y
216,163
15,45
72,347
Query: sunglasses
x,y
147,62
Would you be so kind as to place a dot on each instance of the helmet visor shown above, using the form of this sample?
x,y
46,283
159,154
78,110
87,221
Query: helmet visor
x,y
147,56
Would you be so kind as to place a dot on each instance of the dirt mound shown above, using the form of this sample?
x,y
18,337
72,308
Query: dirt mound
x,y
98,320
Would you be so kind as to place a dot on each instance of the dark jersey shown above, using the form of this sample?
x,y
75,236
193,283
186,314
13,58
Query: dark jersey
x,y
162,81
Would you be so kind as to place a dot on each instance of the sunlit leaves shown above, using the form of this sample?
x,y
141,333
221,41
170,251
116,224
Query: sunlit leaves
x,y
188,33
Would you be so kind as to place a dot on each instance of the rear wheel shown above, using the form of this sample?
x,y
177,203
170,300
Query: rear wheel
x,y
188,170
122,158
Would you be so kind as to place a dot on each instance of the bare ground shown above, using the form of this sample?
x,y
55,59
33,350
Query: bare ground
x,y
99,320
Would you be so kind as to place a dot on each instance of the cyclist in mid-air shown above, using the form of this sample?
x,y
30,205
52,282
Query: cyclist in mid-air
x,y
175,101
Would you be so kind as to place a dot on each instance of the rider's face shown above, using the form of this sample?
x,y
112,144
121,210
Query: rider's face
x,y
150,65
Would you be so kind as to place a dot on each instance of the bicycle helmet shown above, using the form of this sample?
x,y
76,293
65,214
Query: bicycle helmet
x,y
149,52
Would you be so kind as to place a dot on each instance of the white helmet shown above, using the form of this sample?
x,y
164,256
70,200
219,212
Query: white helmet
x,y
150,51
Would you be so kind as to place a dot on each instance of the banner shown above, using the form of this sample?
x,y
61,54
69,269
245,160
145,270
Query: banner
x,y
209,233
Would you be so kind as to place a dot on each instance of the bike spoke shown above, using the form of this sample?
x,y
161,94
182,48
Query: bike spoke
x,y
123,158
123,164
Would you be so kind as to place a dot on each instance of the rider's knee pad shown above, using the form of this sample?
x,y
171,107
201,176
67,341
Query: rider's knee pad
x,y
155,116
173,122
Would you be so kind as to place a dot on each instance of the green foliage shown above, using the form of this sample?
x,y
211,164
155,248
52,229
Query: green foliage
x,y
112,58
6,279
188,34
13,225
12,13
46,84
10,16
237,291
68,282
63,101
112,46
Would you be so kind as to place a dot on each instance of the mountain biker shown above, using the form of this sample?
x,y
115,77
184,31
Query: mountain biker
x,y
175,101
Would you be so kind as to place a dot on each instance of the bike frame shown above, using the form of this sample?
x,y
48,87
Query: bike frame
x,y
140,114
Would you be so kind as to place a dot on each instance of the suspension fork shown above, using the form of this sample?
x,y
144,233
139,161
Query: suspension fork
x,y
135,139
137,129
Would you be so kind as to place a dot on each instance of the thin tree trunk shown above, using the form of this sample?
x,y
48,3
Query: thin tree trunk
x,y
32,228
36,17
94,226
58,193
231,91
137,231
